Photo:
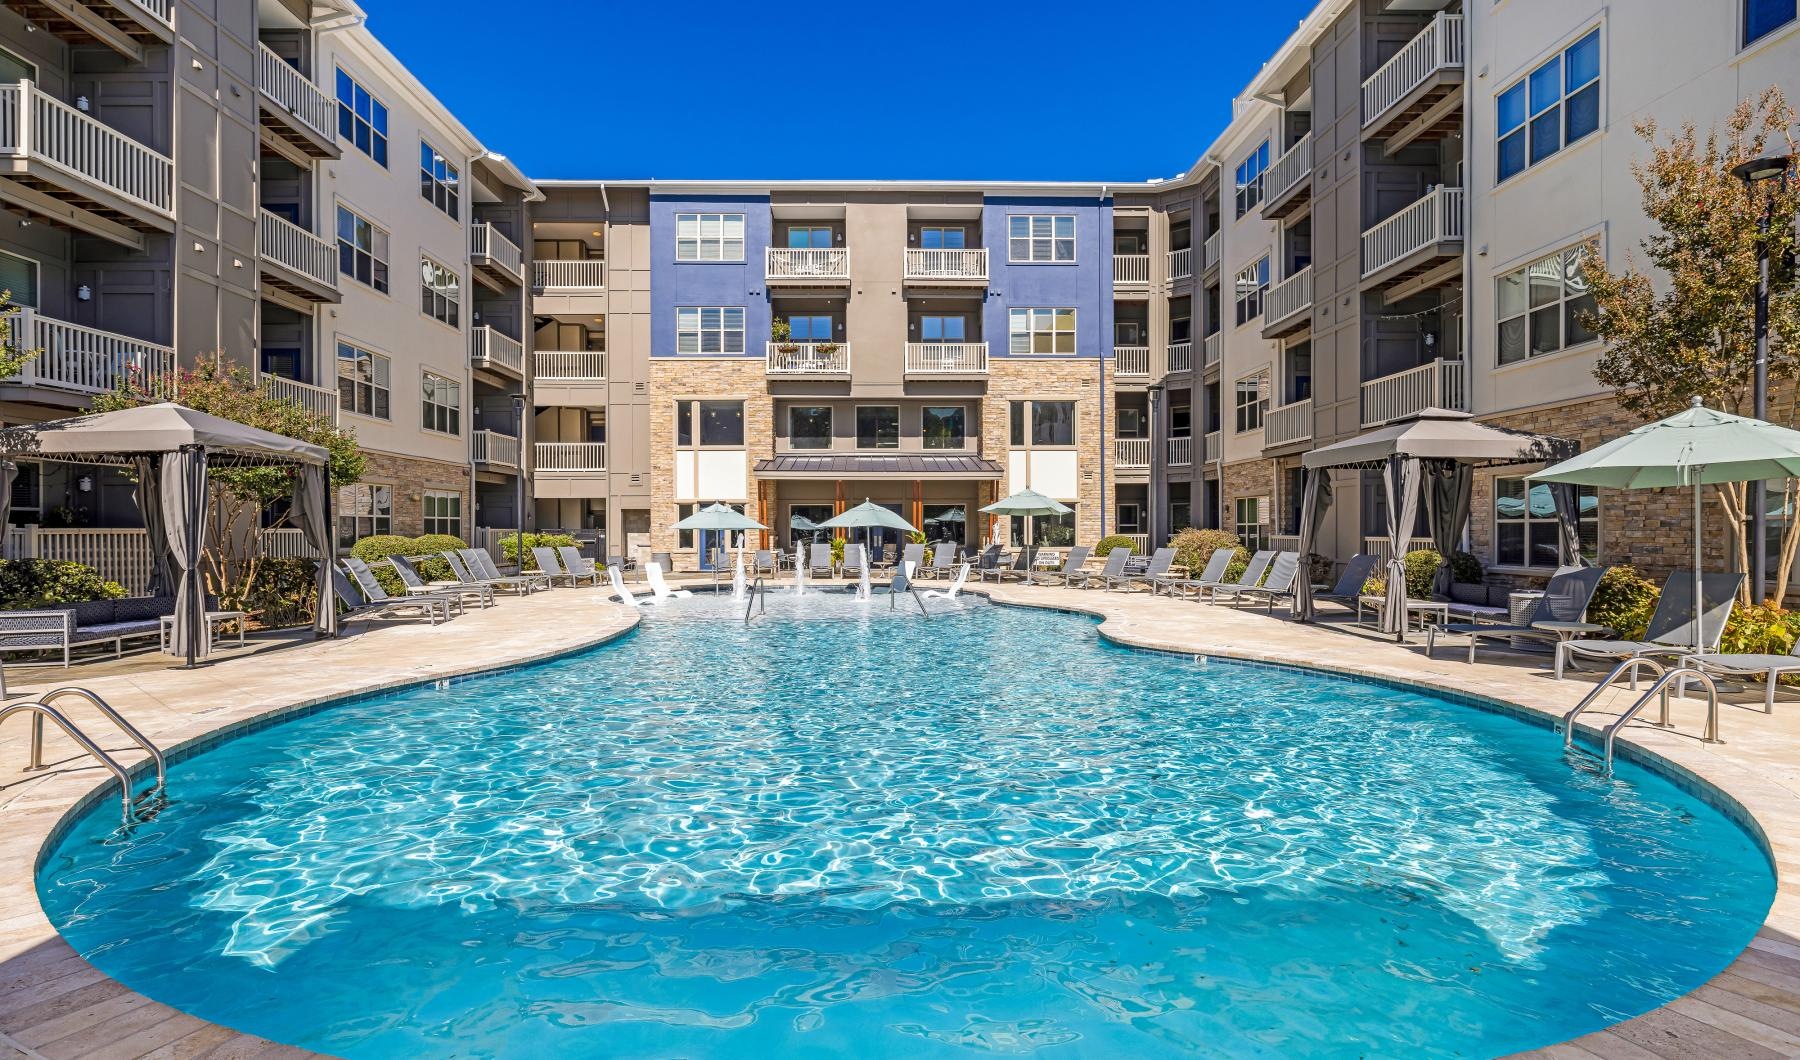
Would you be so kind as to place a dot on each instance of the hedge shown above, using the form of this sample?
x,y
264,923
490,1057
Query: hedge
x,y
375,550
509,546
29,584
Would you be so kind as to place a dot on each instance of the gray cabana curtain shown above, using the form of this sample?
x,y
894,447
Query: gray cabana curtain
x,y
1315,501
8,472
156,531
1401,479
183,494
310,513
1568,523
1448,487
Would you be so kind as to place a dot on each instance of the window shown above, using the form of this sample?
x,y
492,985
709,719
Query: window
x,y
1047,531
809,427
1250,178
362,250
1040,331
19,280
1250,527
1763,17
1542,307
362,119
944,426
1052,423
942,329
440,292
939,238
362,381
722,423
1525,523
1552,107
878,426
1252,402
809,328
14,69
438,179
364,510
443,404
803,238
443,513
709,237
1252,284
1041,237
712,329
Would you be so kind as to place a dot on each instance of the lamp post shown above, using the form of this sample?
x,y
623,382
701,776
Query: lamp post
x,y
518,403
1155,390
1754,172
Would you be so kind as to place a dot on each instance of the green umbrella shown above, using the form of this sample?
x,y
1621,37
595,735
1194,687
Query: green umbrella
x,y
870,516
1027,502
719,517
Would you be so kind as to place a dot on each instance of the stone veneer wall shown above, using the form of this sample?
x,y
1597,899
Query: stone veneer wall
x,y
1078,380
724,379
1247,478
410,476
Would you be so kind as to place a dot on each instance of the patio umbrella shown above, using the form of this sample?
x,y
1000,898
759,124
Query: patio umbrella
x,y
870,516
1027,502
1695,447
719,516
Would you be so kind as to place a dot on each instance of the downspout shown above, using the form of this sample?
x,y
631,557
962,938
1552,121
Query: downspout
x,y
1101,362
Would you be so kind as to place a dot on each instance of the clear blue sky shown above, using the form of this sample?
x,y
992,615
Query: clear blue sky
x,y
698,89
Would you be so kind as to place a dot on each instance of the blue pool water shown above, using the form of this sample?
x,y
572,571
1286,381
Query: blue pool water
x,y
844,830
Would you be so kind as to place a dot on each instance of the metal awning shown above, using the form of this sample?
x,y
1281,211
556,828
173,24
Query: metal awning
x,y
860,466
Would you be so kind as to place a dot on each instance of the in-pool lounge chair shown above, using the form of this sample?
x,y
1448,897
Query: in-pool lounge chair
x,y
371,589
665,559
820,561
1277,585
653,571
624,594
1210,575
434,608
1160,562
1074,561
1350,584
1108,576
417,585
962,575
1671,631
577,564
1252,575
1557,616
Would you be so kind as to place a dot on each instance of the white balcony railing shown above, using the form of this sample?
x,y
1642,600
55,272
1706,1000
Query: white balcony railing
x,y
486,241
1181,452
293,92
1378,546
36,125
946,264
1211,251
563,277
86,360
1402,394
285,542
1210,453
1290,169
1290,296
807,263
1181,356
1131,452
1181,263
808,358
570,456
1439,46
492,447
552,364
1131,270
317,400
1131,362
294,248
1211,347
946,358
493,349
162,10
1286,424
1436,217
1141,541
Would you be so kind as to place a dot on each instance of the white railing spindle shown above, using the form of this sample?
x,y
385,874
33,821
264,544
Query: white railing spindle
x,y
946,358
489,347
488,242
1181,263
1439,46
1436,217
807,263
1288,297
553,364
1392,397
946,264
588,274
320,401
87,360
1290,169
570,456
492,447
293,92
1181,452
1131,361
1131,452
1289,423
1131,270
290,246
45,129
807,358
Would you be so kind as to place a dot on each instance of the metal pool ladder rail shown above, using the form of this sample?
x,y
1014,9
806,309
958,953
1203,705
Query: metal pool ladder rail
x,y
758,599
41,708
1658,689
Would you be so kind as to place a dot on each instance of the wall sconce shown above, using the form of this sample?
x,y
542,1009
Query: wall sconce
x,y
84,293
1430,341
85,483
82,104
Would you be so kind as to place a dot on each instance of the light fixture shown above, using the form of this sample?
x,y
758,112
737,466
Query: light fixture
x,y
82,104
85,483
84,293
1766,168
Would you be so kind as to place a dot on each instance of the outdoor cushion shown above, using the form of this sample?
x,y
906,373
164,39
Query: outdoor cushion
x,y
142,607
92,612
109,630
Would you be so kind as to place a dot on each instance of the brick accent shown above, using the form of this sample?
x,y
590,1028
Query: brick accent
x,y
411,477
1247,478
1077,380
725,379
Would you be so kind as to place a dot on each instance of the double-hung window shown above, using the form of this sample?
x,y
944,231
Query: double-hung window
x,y
1040,331
1553,106
1250,513
1039,238
1252,402
1544,307
19,280
362,249
362,381
709,237
439,181
362,119
1763,17
364,510
1252,284
709,329
443,404
1249,178
443,512
440,292
1526,525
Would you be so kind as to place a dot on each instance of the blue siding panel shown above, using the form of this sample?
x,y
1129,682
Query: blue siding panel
x,y
1086,284
708,283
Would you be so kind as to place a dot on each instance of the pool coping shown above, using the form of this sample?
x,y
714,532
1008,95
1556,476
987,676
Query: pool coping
x,y
1768,812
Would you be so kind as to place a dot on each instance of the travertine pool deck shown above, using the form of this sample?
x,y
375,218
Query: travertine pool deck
x,y
54,1004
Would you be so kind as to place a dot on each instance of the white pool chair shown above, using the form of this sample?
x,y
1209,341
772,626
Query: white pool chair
x,y
654,572
624,594
962,575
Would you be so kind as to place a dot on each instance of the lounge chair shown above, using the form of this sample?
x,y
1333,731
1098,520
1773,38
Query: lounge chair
x,y
1252,575
417,585
370,587
856,558
1671,629
1074,561
1742,666
653,571
943,561
435,608
1160,561
1108,576
577,564
763,562
1210,575
1349,587
1020,564
914,554
990,558
550,567
480,566
624,594
820,560
1556,617
962,575
1278,585
468,578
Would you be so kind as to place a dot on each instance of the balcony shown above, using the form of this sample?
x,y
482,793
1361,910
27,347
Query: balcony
x,y
83,360
1181,452
823,360
294,260
494,450
807,267
1131,362
1211,451
1417,248
947,360
1210,253
946,268
555,365
1131,454
587,276
1131,271
1288,424
80,172
576,379
1287,309
1288,184
1181,263
293,109
569,456
1211,348
320,401
125,26
498,260
1439,384
1418,93
496,351
1181,356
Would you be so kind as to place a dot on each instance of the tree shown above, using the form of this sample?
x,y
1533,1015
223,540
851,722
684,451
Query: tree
x,y
13,358
1682,327
238,494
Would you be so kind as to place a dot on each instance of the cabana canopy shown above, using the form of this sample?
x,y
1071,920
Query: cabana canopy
x,y
1440,434
170,447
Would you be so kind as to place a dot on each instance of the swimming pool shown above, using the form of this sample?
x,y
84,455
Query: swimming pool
x,y
843,828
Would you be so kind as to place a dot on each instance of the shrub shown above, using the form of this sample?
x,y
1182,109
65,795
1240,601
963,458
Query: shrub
x,y
837,550
509,546
1320,570
1624,600
1194,547
281,594
1465,568
1421,575
1759,629
27,584
1103,547
374,550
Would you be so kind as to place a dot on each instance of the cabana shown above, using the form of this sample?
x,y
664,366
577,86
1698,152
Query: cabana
x,y
1433,453
170,448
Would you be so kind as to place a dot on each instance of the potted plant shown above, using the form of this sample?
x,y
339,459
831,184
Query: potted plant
x,y
780,334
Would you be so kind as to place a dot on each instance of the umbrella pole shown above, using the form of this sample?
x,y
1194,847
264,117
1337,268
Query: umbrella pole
x,y
1699,608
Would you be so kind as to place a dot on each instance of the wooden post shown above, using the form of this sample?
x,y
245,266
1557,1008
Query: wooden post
x,y
918,505
837,509
762,511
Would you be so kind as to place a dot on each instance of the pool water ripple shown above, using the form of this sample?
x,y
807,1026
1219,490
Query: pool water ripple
x,y
843,828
